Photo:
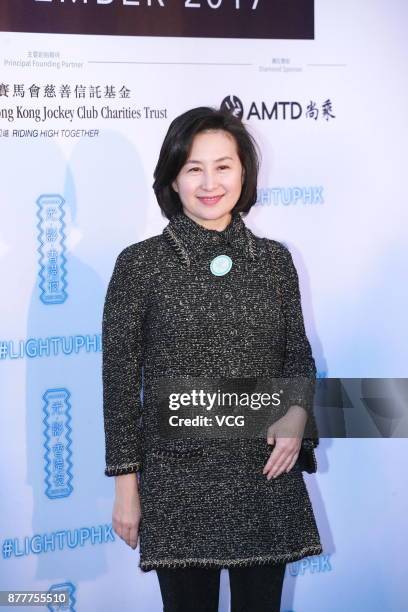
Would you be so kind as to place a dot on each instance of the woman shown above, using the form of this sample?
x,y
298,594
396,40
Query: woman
x,y
208,299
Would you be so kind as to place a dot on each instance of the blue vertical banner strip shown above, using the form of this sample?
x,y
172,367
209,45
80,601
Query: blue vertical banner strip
x,y
57,433
62,587
51,237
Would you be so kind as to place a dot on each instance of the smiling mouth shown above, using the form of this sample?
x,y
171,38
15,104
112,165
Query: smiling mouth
x,y
210,200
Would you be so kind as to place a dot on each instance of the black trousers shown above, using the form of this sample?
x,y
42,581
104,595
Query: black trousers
x,y
196,589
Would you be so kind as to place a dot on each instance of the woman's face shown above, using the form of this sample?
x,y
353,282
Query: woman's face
x,y
210,182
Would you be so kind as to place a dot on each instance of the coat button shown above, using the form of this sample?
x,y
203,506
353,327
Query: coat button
x,y
227,295
234,372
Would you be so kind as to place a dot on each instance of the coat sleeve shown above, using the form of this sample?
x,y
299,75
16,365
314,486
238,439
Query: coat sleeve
x,y
122,322
299,368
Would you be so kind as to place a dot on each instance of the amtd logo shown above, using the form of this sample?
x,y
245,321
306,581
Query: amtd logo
x,y
279,110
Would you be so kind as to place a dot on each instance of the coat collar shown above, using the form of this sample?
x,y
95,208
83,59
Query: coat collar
x,y
189,238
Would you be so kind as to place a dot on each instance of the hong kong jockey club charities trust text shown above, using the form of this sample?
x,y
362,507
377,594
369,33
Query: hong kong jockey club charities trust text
x,y
82,112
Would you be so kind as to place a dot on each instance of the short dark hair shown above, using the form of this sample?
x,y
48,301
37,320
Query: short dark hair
x,y
177,144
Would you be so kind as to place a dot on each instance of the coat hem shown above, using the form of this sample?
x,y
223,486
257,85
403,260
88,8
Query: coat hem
x,y
147,566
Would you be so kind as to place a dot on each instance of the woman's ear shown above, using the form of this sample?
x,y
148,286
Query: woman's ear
x,y
243,176
174,185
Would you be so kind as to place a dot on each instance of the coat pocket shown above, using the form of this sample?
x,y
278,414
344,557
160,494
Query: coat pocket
x,y
177,453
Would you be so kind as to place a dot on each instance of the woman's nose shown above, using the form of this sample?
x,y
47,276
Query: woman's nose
x,y
209,180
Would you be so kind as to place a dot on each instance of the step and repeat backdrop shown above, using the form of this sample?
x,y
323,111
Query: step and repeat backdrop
x,y
87,92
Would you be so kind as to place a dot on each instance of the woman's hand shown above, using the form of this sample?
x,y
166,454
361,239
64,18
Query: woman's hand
x,y
127,512
286,450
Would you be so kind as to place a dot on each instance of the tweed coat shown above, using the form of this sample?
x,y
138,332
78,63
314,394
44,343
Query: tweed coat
x,y
205,503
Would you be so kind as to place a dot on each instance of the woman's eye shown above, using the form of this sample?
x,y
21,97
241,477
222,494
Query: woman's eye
x,y
196,169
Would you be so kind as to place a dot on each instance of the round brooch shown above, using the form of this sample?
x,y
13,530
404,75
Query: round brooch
x,y
221,265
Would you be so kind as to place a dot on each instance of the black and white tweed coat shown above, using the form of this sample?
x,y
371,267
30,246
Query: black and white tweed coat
x,y
166,315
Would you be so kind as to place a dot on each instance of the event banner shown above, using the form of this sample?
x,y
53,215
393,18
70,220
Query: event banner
x,y
290,19
88,90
